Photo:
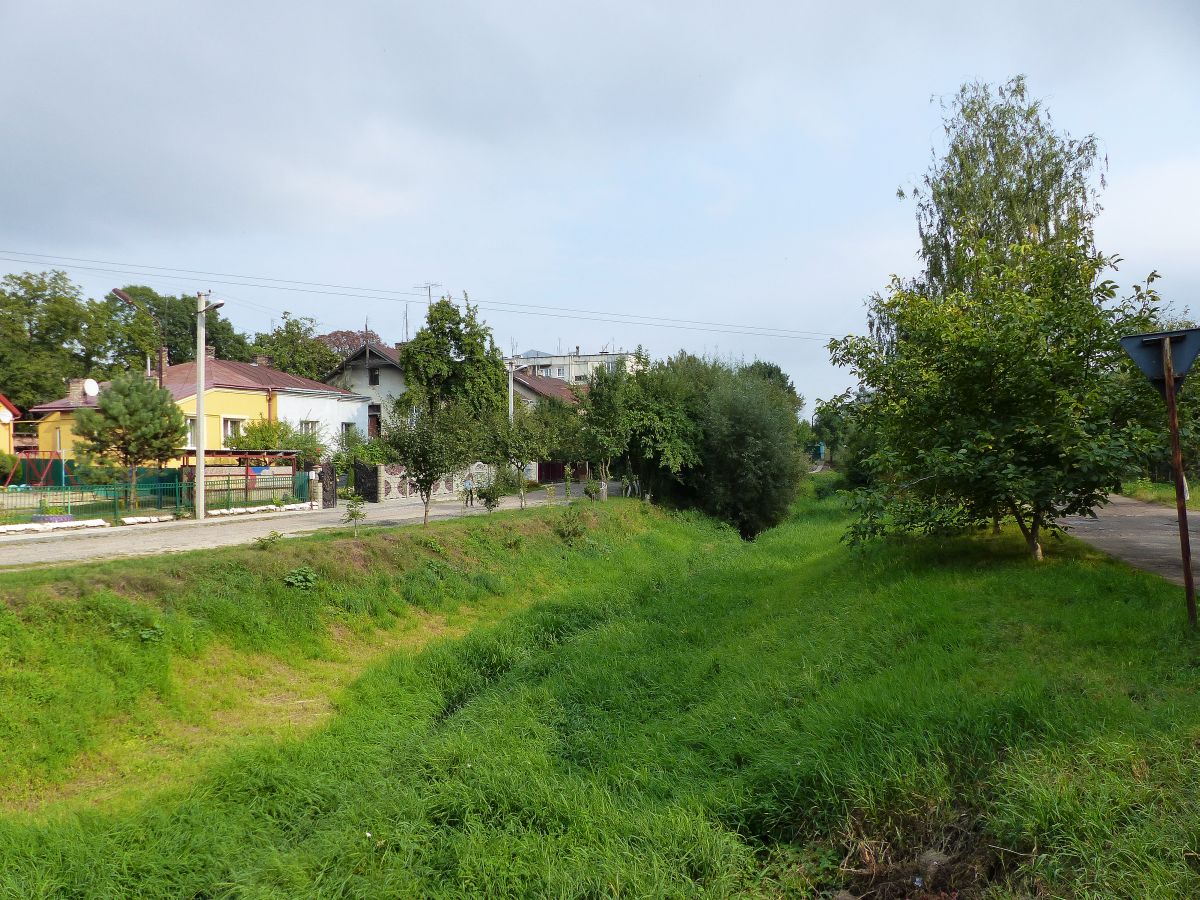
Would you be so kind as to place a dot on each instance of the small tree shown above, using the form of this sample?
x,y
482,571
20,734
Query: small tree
x,y
607,421
135,421
262,434
431,444
512,445
354,512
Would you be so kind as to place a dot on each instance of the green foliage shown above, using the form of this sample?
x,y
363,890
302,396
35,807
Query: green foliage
x,y
591,489
262,434
511,445
750,462
134,422
490,494
453,359
132,335
267,541
42,324
355,512
431,444
606,417
353,447
691,715
571,525
772,374
1007,177
1029,362
294,348
302,578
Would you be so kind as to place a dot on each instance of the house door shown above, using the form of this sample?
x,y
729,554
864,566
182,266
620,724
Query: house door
x,y
373,420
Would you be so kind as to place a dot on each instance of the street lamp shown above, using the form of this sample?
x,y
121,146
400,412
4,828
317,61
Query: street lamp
x,y
162,341
202,310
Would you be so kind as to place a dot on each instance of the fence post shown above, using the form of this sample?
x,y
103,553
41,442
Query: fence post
x,y
116,507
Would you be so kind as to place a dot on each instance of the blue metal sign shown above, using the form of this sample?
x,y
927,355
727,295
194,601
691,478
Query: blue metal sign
x,y
1146,350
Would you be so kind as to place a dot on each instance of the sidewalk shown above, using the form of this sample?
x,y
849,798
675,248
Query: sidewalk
x,y
174,537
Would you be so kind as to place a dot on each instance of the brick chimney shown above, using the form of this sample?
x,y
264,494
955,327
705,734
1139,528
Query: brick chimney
x,y
263,360
164,360
210,352
75,390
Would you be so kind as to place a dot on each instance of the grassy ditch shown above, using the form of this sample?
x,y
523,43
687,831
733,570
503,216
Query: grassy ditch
x,y
680,713
1160,492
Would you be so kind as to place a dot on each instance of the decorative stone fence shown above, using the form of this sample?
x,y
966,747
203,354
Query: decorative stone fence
x,y
387,484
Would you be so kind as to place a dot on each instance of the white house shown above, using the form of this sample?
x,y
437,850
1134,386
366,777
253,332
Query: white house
x,y
373,371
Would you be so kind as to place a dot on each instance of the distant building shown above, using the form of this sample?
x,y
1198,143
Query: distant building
x,y
374,371
573,368
532,389
235,394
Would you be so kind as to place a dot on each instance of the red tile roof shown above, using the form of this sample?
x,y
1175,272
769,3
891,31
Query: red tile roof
x,y
547,387
180,380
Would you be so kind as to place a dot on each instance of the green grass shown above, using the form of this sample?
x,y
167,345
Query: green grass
x,y
1155,492
678,713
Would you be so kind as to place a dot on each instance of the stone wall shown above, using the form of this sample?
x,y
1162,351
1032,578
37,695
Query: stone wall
x,y
393,483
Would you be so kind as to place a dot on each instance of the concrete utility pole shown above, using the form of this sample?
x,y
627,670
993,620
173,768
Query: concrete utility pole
x,y
202,310
511,367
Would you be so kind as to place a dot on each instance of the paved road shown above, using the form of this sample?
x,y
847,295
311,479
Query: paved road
x,y
1145,535
144,540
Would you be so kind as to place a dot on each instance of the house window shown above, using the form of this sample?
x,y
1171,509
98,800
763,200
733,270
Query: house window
x,y
374,420
348,427
373,376
308,426
581,378
191,432
561,372
231,430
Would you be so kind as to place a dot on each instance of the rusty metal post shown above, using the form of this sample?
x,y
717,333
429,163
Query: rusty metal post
x,y
1185,538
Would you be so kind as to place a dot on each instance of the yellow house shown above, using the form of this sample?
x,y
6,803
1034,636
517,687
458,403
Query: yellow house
x,y
235,394
8,415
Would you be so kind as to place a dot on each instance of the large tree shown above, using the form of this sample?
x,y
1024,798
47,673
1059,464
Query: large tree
x,y
513,444
294,348
1008,399
136,335
42,324
606,419
134,422
1006,178
454,359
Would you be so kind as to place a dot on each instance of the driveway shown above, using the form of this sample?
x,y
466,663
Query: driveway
x,y
1144,535
170,537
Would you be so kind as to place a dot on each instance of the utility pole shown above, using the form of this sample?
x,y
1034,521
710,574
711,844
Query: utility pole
x,y
201,354
1185,538
203,308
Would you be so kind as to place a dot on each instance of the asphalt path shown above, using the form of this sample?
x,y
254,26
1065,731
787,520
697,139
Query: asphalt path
x,y
173,537
1145,535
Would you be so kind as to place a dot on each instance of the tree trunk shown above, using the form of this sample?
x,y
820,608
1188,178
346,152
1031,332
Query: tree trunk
x,y
1035,527
604,467
995,520
132,484
521,486
425,498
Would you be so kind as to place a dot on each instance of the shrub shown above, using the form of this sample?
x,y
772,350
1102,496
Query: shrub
x,y
302,578
267,541
591,488
571,525
490,494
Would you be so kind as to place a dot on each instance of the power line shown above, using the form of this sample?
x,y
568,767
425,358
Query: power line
x,y
311,287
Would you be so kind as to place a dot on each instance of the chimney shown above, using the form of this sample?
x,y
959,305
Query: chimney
x,y
164,360
263,360
399,346
576,349
75,390
210,352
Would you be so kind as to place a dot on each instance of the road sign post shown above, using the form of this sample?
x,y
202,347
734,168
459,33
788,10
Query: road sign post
x,y
1165,359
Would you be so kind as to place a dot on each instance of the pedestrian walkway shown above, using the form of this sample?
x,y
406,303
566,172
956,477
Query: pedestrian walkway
x,y
1145,535
174,537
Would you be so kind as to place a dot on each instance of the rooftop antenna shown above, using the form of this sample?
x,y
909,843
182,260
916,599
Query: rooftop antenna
x,y
406,321
428,286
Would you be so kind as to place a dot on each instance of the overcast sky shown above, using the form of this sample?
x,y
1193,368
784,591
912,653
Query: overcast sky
x,y
719,162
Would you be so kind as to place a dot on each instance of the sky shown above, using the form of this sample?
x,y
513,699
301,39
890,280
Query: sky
x,y
731,165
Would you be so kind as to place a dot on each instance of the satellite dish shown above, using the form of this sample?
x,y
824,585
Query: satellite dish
x,y
90,387
6,415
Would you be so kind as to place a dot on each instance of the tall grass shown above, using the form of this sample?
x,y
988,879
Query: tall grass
x,y
697,716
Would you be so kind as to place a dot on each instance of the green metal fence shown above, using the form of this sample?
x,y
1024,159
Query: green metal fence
x,y
113,502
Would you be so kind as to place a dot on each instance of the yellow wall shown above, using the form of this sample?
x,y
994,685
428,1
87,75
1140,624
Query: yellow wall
x,y
218,404
6,437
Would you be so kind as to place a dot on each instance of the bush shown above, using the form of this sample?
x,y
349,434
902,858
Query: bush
x,y
571,525
303,578
750,464
591,488
490,494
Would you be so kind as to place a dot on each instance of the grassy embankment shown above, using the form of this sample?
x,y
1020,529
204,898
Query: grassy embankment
x,y
677,713
1159,492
